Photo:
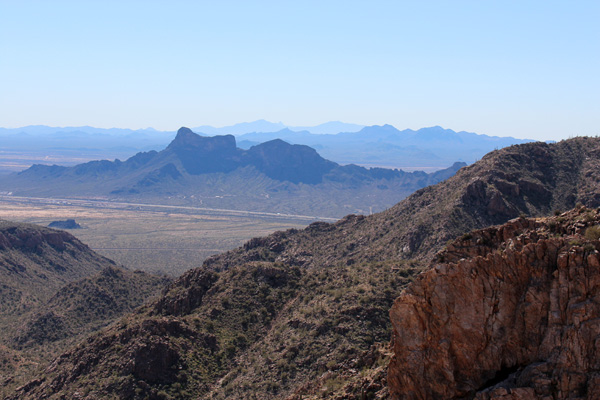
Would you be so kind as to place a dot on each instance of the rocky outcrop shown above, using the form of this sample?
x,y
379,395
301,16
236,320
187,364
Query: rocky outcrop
x,y
23,239
512,313
66,224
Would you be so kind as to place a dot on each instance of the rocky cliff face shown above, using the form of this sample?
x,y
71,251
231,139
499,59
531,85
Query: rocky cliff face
x,y
512,313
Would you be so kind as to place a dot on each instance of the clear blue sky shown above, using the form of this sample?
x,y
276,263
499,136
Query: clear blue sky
x,y
507,68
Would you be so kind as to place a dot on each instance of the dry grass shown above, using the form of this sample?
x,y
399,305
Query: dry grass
x,y
152,241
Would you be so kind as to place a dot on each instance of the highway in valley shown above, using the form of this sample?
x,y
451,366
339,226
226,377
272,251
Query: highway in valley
x,y
101,203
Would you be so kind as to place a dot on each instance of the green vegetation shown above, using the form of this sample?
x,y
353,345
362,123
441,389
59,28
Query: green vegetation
x,y
254,321
593,233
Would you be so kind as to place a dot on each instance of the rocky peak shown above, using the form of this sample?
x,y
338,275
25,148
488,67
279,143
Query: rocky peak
x,y
511,313
185,138
200,155
283,161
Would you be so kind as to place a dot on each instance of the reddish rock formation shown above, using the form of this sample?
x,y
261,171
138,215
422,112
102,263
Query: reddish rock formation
x,y
513,313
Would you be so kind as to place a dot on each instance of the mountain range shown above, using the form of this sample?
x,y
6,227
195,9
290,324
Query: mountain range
x,y
304,313
384,146
194,170
327,128
388,146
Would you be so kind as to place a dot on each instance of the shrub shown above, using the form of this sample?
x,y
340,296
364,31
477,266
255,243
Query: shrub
x,y
589,247
593,232
466,236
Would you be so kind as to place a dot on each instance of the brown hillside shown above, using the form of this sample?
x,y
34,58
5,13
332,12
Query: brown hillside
x,y
54,290
35,262
531,179
298,313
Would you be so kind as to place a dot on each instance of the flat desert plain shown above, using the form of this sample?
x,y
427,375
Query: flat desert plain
x,y
164,242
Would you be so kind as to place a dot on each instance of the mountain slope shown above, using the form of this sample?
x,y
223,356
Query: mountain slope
x,y
532,179
54,290
212,172
35,262
300,313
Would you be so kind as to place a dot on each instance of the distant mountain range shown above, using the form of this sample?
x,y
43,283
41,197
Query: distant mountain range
x,y
383,146
389,147
328,128
274,176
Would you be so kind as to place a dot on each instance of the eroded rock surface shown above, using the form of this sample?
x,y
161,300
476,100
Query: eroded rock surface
x,y
512,313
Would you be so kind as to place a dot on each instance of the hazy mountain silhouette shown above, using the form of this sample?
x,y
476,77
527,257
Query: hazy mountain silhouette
x,y
385,145
261,125
212,171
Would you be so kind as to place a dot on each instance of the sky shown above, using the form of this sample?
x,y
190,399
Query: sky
x,y
528,69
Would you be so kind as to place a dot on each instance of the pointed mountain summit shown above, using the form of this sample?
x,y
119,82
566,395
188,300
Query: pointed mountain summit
x,y
277,159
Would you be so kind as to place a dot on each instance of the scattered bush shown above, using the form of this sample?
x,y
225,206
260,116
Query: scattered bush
x,y
466,236
593,232
589,247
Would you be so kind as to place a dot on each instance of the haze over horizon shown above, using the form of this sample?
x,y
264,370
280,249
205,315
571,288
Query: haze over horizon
x,y
510,69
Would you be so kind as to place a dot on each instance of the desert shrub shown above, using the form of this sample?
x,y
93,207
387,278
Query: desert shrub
x,y
466,236
589,247
593,232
